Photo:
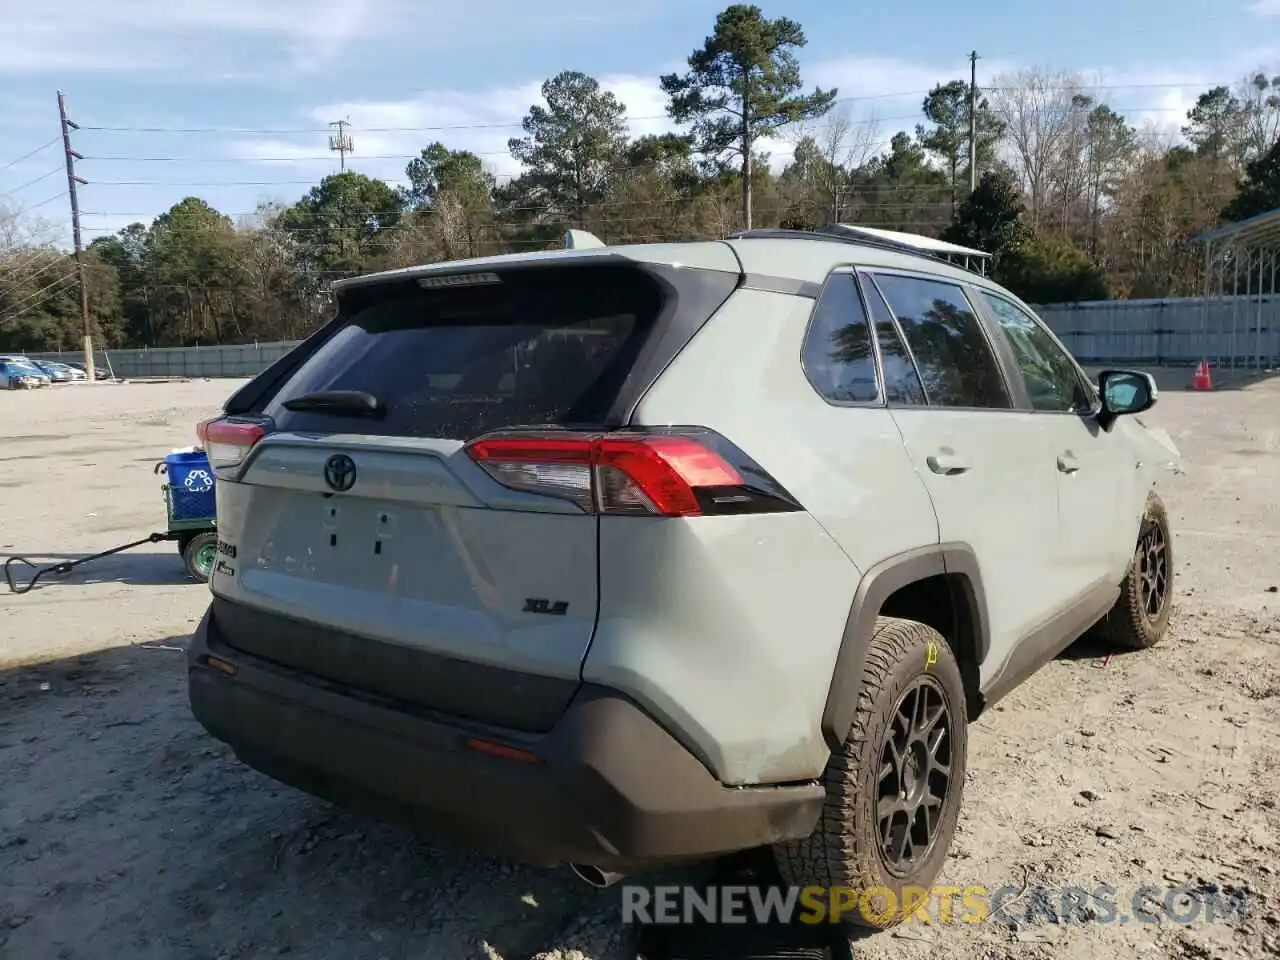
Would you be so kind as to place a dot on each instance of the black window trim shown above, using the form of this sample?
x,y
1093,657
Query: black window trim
x,y
850,273
1014,388
673,328
994,322
866,275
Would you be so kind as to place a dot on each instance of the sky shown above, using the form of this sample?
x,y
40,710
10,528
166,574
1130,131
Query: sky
x,y
230,100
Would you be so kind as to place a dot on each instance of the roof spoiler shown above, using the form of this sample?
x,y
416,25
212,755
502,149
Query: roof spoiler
x,y
581,240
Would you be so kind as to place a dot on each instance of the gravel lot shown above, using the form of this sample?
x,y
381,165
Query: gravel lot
x,y
126,833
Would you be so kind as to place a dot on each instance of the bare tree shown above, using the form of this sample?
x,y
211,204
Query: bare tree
x,y
1041,114
832,150
19,231
1259,97
846,145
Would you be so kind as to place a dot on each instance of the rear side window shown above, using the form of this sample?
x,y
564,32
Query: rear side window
x,y
956,363
540,347
901,380
838,357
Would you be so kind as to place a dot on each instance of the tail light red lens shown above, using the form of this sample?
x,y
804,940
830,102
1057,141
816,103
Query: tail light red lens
x,y
656,475
201,427
228,442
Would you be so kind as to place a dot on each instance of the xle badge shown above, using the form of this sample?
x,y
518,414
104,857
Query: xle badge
x,y
556,608
931,653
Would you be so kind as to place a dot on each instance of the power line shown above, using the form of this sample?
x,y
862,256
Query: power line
x,y
23,186
40,304
890,215
19,264
32,153
511,124
36,206
69,275
924,191
1154,135
55,260
317,158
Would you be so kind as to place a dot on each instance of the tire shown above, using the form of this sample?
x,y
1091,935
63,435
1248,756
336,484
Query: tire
x,y
1140,618
904,658
199,555
183,540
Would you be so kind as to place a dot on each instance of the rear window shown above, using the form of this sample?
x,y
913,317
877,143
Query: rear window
x,y
543,346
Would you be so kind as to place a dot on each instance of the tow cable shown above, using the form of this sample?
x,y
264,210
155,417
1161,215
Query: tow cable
x,y
63,567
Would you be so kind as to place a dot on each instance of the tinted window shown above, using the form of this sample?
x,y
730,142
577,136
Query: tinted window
x,y
1050,375
901,380
956,364
543,346
838,358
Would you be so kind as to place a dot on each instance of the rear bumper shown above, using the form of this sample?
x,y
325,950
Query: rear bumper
x,y
610,787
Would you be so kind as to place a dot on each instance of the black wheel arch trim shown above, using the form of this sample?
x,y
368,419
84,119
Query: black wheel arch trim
x,y
876,586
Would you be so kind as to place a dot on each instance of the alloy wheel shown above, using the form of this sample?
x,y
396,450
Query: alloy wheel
x,y
1153,570
914,777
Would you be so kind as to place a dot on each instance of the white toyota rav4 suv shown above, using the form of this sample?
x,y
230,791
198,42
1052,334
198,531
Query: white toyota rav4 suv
x,y
623,556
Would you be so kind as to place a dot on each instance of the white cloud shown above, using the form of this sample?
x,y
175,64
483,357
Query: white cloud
x,y
388,133
208,37
878,96
1265,8
143,35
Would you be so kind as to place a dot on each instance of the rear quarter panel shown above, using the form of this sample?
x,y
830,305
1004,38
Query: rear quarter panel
x,y
728,628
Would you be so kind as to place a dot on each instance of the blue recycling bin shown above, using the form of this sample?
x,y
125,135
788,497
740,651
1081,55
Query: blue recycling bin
x,y
191,496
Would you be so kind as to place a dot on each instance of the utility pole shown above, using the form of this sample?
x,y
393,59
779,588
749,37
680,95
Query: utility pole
x,y
72,180
341,143
973,121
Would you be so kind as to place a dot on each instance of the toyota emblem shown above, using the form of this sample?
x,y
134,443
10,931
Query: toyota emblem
x,y
340,472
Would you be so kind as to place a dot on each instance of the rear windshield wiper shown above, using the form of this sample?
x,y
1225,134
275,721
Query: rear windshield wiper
x,y
355,403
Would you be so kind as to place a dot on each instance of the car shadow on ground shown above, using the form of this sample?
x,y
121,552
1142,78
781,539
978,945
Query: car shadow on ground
x,y
159,567
752,939
1093,647
114,794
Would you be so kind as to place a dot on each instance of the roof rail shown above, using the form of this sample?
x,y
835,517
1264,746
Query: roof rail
x,y
832,236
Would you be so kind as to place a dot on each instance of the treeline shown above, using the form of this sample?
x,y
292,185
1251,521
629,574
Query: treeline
x,y
1075,201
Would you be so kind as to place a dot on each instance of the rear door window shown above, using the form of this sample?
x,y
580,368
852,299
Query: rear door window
x,y
901,380
957,364
537,347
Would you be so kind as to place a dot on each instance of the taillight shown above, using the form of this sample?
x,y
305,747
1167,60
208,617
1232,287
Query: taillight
x,y
227,442
670,474
201,427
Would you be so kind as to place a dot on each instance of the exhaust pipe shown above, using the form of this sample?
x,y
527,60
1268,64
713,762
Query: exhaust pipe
x,y
594,876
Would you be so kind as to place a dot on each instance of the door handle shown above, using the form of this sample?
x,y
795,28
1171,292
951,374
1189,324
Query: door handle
x,y
1067,463
946,463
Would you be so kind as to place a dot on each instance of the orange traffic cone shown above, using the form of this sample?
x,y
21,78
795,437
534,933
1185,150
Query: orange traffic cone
x,y
1202,379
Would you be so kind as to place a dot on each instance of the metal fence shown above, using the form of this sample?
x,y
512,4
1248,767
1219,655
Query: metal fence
x,y
1232,333
234,360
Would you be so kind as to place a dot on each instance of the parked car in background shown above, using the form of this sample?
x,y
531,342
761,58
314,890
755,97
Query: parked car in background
x,y
78,372
16,374
57,372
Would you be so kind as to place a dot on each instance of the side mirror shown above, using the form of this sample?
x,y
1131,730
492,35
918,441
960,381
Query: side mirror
x,y
1125,392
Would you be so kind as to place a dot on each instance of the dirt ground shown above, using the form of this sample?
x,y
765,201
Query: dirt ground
x,y
125,832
